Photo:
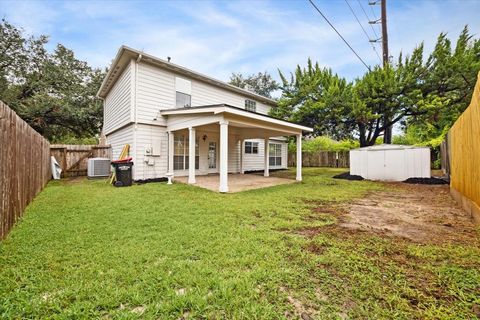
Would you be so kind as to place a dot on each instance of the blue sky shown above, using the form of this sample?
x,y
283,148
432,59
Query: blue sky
x,y
219,37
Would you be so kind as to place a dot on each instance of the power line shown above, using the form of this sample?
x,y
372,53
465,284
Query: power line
x,y
368,18
364,31
346,42
373,12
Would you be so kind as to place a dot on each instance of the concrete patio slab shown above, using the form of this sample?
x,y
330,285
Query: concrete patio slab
x,y
237,182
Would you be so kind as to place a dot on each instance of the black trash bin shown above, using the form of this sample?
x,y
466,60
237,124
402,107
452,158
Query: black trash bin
x,y
123,173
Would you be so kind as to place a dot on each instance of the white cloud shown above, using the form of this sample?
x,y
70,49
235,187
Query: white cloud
x,y
34,17
217,38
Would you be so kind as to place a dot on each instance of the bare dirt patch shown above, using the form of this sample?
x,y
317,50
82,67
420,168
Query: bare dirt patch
x,y
421,213
300,309
73,180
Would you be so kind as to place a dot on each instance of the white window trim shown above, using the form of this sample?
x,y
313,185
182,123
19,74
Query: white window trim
x,y
185,154
250,105
277,150
252,145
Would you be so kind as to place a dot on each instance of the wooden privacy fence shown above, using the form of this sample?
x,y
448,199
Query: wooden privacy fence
x,y
73,159
24,166
321,159
463,142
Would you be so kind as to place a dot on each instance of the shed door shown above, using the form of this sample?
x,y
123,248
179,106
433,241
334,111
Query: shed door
x,y
395,165
375,164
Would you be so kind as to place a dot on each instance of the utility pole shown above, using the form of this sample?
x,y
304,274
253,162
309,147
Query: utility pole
x,y
383,19
387,135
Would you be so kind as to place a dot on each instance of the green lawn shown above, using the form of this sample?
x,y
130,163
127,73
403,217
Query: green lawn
x,y
89,250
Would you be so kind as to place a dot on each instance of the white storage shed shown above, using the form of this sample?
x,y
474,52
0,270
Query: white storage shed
x,y
390,162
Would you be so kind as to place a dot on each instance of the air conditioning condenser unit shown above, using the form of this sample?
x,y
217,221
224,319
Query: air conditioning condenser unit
x,y
98,167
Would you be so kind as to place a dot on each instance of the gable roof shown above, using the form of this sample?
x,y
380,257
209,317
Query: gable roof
x,y
126,54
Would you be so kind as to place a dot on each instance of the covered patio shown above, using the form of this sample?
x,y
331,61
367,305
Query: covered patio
x,y
232,125
237,182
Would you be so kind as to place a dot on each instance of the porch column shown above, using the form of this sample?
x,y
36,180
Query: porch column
x,y
267,157
223,186
170,156
191,155
242,149
299,157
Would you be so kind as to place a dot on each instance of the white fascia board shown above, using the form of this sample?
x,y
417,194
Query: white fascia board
x,y
193,110
261,117
230,110
194,122
281,138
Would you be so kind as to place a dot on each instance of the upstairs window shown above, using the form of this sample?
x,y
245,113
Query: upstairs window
x,y
183,89
251,147
183,100
250,105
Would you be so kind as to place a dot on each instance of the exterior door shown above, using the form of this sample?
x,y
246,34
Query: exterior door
x,y
212,156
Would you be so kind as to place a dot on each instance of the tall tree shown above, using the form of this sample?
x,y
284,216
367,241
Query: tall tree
x,y
260,83
53,92
447,82
431,93
315,97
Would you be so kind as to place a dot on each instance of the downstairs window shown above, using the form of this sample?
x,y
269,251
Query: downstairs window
x,y
251,147
180,154
275,154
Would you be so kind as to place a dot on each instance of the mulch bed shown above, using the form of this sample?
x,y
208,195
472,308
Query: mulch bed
x,y
431,180
348,176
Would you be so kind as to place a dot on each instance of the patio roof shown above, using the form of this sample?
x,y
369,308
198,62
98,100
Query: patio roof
x,y
236,114
226,119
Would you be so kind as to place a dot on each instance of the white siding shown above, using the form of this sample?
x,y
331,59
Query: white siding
x,y
119,139
156,91
284,155
254,162
233,154
145,137
205,94
117,104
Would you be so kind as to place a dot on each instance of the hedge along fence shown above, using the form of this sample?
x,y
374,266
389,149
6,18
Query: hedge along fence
x,y
24,166
330,159
464,152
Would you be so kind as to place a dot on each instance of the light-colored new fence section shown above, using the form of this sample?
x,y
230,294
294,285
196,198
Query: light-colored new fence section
x,y
321,159
73,159
464,152
24,166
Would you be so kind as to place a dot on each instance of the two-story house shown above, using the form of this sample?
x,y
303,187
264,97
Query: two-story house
x,y
161,109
